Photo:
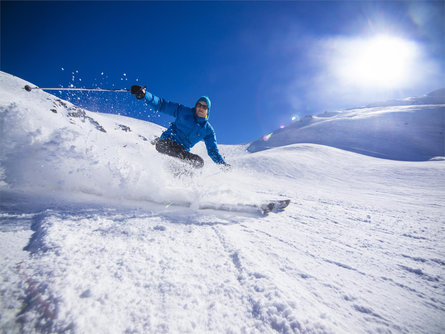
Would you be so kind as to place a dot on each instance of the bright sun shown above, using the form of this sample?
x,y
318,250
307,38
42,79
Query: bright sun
x,y
382,61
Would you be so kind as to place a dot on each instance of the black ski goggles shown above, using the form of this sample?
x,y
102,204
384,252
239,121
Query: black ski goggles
x,y
202,105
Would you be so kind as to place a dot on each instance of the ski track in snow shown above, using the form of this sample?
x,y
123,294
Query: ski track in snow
x,y
188,271
360,248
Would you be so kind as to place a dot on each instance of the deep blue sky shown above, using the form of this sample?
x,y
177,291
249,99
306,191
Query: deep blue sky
x,y
261,63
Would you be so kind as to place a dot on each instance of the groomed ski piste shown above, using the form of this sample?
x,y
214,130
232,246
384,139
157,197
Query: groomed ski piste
x,y
93,240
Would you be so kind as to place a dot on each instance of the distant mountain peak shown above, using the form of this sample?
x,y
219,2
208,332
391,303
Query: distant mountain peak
x,y
437,93
411,129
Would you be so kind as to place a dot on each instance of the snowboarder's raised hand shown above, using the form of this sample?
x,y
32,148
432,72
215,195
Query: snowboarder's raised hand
x,y
138,91
226,167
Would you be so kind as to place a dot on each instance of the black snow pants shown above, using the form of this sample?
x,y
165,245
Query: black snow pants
x,y
173,149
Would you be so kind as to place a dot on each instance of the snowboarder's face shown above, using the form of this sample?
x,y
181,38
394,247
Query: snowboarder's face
x,y
201,109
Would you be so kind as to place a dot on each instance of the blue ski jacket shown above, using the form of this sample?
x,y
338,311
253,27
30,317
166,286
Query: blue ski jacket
x,y
187,129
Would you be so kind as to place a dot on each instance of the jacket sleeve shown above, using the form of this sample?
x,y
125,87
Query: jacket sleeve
x,y
160,104
212,147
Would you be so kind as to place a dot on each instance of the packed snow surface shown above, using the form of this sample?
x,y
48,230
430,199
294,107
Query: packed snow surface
x,y
94,237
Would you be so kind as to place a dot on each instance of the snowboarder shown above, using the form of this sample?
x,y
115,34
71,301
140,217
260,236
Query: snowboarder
x,y
190,126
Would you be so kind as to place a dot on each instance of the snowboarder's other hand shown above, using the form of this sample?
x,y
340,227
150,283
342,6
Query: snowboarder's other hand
x,y
138,91
226,166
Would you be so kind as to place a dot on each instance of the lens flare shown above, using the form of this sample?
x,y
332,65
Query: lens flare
x,y
267,137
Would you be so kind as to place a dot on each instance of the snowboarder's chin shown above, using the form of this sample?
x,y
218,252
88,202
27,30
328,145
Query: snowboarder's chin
x,y
201,114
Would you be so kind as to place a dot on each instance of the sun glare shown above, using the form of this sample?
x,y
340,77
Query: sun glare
x,y
382,61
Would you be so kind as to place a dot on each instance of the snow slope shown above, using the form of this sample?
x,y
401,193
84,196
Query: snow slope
x,y
412,129
360,249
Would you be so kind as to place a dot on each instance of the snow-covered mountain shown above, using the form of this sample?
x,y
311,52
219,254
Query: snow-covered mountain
x,y
412,129
88,247
435,97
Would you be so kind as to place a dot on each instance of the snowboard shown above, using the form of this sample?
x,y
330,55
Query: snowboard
x,y
262,208
275,206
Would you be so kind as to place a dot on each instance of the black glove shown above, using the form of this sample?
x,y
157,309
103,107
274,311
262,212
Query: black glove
x,y
138,91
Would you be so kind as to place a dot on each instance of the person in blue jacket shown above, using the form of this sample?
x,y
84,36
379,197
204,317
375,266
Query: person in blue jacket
x,y
190,126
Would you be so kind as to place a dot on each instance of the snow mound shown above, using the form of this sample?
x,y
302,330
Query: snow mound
x,y
412,132
50,144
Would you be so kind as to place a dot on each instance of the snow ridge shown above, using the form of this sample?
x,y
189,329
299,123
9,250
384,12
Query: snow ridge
x,y
411,131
